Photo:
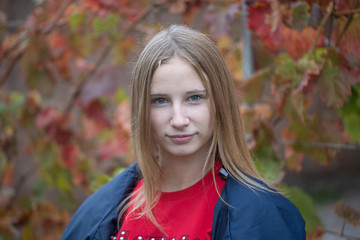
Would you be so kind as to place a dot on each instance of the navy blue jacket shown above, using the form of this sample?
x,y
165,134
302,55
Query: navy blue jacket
x,y
250,214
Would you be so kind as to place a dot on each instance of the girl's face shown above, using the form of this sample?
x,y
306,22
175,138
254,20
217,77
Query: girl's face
x,y
180,111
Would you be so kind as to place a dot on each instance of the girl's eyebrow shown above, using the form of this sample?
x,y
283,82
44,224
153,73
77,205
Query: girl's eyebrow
x,y
196,91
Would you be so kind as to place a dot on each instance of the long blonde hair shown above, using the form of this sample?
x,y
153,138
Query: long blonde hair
x,y
228,143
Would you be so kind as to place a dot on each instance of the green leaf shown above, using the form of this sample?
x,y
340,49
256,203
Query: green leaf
x,y
315,129
117,171
120,96
336,79
267,161
106,134
63,180
350,115
305,205
11,107
286,70
98,27
2,160
253,87
111,25
46,153
300,15
98,182
75,20
39,191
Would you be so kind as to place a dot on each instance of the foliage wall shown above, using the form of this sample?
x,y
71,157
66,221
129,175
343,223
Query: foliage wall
x,y
65,131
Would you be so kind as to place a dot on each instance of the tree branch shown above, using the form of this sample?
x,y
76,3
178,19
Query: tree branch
x,y
349,20
42,30
49,26
346,12
20,183
320,144
344,235
329,10
78,88
10,68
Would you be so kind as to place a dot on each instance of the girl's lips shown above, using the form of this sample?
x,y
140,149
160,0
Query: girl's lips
x,y
181,139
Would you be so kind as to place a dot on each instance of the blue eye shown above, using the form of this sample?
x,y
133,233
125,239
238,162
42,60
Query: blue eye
x,y
195,98
159,101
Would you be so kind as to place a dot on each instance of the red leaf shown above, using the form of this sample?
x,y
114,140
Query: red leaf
x,y
342,5
265,24
56,41
54,125
112,148
46,117
308,80
95,111
349,43
265,19
69,155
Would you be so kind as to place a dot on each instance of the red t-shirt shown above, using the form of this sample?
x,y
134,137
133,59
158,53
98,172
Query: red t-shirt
x,y
184,215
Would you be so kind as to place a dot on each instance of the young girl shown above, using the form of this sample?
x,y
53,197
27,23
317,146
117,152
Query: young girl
x,y
194,177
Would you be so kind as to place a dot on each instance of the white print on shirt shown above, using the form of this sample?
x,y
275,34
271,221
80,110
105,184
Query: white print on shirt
x,y
124,235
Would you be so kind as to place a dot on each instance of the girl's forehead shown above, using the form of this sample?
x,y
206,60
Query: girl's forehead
x,y
176,71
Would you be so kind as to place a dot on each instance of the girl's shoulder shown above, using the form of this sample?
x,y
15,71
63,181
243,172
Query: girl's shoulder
x,y
243,196
263,214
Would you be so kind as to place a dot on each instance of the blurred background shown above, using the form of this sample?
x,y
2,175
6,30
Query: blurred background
x,y
65,69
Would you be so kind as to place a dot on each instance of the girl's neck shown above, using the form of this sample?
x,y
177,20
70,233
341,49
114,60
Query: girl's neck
x,y
181,172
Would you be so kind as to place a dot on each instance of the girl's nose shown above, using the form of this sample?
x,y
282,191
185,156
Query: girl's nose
x,y
179,118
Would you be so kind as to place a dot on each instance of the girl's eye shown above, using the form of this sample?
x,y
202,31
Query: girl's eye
x,y
159,101
195,98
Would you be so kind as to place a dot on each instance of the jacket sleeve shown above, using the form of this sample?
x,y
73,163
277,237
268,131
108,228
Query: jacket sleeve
x,y
258,215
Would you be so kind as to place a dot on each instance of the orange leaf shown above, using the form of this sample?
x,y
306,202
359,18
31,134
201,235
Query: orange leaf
x,y
316,234
295,43
293,158
350,214
57,41
122,117
262,111
7,175
178,7
91,128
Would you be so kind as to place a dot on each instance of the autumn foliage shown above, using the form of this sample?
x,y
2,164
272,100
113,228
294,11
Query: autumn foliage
x,y
64,117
